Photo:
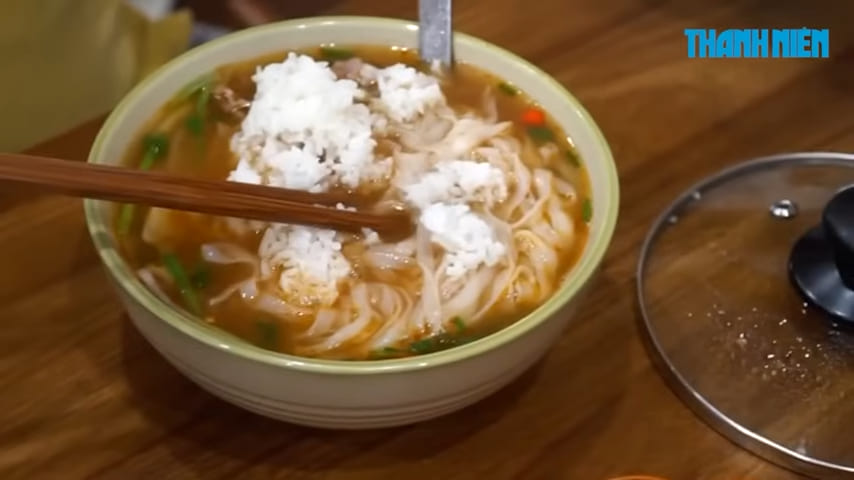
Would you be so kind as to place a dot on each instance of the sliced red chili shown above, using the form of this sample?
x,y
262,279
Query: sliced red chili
x,y
533,117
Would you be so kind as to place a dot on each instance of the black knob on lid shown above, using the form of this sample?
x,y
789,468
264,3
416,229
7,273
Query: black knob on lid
x,y
821,264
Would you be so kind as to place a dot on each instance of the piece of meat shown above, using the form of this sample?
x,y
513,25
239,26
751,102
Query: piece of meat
x,y
230,103
348,69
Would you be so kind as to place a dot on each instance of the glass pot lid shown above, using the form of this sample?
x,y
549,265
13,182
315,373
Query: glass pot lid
x,y
746,287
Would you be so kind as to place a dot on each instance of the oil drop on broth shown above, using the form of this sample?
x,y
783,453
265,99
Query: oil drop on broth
x,y
501,197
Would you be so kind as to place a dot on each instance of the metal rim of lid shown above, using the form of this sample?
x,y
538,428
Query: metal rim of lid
x,y
716,419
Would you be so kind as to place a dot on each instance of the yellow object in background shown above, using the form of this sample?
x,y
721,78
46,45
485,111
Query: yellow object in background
x,y
67,61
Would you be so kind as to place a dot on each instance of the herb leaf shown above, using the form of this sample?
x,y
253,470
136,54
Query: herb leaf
x,y
192,88
196,121
387,352
459,323
425,345
508,89
268,333
126,218
572,157
440,342
195,124
586,210
200,278
155,147
335,53
541,134
182,281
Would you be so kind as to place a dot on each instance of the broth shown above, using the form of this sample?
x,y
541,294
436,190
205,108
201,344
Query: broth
x,y
195,133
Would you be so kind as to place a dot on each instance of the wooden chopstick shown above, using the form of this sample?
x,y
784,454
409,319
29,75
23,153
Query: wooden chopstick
x,y
215,197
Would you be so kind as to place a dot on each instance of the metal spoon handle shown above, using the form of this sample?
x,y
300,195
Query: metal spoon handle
x,y
435,33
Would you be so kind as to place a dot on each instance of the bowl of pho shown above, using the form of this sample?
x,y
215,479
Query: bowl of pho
x,y
511,184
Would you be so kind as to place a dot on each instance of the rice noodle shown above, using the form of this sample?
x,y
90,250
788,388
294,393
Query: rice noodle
x,y
229,253
523,188
397,308
226,253
430,302
542,185
464,302
431,129
498,287
490,106
410,166
149,276
560,220
524,284
564,188
324,322
548,151
543,257
364,313
465,135
248,290
388,260
272,304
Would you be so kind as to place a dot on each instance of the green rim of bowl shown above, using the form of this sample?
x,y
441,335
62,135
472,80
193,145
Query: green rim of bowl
x,y
221,340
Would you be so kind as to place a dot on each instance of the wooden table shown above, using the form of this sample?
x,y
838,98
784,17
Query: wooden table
x,y
84,396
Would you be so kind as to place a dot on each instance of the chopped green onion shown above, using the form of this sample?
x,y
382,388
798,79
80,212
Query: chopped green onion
x,y
440,342
508,89
458,322
268,333
541,134
201,90
182,281
126,218
202,100
386,352
422,346
195,124
572,156
155,147
196,121
334,53
200,278
586,210
192,88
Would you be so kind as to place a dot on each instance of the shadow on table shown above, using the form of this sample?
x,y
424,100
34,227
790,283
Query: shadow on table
x,y
198,423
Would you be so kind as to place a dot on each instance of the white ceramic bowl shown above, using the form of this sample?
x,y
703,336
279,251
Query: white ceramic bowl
x,y
338,394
